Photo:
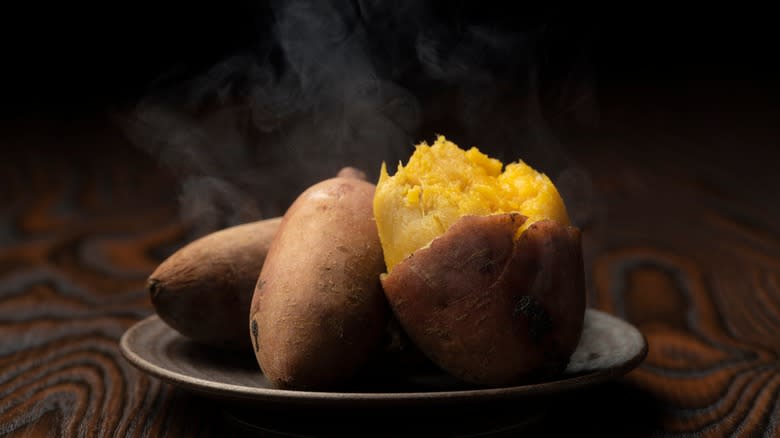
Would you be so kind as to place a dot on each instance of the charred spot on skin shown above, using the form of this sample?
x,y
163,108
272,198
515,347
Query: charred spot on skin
x,y
539,322
254,335
154,287
488,267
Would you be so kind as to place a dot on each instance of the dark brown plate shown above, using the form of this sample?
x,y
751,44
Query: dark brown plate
x,y
609,348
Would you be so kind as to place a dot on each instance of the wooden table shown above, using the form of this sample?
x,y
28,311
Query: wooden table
x,y
676,190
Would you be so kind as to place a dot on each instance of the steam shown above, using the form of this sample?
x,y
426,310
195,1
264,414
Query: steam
x,y
343,84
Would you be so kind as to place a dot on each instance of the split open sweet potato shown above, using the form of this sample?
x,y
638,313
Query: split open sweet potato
x,y
485,273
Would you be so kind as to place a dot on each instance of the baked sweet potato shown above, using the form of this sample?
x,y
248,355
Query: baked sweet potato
x,y
485,274
489,308
318,311
204,289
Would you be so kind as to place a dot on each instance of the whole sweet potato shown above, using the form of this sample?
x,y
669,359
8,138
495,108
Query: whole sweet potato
x,y
204,289
318,312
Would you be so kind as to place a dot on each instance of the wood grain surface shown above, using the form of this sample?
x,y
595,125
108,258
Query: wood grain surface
x,y
677,194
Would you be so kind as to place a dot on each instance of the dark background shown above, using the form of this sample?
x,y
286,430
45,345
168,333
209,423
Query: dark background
x,y
74,74
60,58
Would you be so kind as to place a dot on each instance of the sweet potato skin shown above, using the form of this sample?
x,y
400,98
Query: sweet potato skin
x,y
491,309
204,289
318,313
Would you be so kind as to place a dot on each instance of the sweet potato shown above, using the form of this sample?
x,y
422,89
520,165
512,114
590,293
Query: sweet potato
x,y
318,312
204,289
490,309
485,273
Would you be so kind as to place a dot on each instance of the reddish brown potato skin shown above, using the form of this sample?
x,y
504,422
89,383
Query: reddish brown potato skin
x,y
318,313
204,289
491,310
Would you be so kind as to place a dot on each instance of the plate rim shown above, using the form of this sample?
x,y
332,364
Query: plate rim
x,y
258,394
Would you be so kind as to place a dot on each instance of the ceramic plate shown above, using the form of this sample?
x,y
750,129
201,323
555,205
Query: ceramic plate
x,y
609,347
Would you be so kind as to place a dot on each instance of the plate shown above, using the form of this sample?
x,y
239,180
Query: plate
x,y
609,347
425,402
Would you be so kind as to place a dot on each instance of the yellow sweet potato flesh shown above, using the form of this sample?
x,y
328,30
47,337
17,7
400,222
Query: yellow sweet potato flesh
x,y
442,182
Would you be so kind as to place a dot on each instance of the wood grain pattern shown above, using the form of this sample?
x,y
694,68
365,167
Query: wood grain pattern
x,y
690,254
681,239
78,236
